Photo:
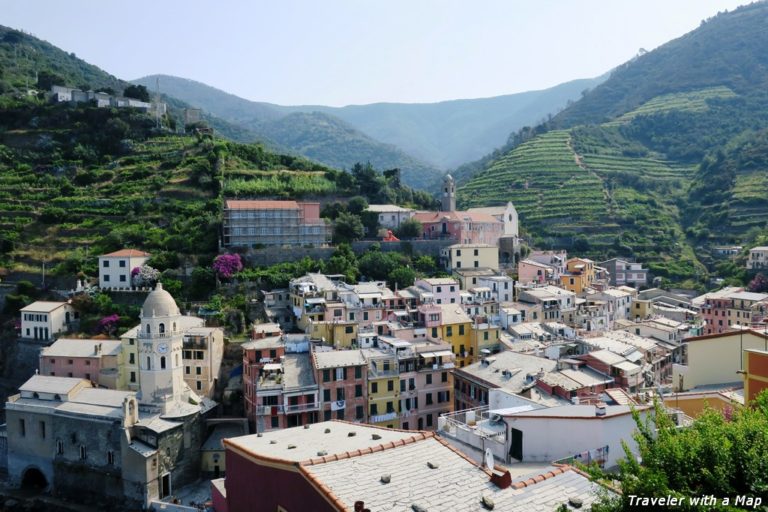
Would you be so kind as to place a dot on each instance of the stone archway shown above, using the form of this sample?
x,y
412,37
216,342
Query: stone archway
x,y
34,479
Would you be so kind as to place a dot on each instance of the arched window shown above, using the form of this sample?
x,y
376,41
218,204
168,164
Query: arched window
x,y
149,363
149,330
162,363
162,328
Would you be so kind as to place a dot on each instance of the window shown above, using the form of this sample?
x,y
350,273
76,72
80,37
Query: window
x,y
133,376
59,447
198,370
358,390
326,395
439,289
87,376
199,385
162,363
83,452
106,278
365,315
449,330
326,375
339,394
429,420
402,386
349,329
434,332
374,409
122,263
461,330
131,358
122,278
390,385
199,354
444,377
22,427
359,412
341,374
340,414
110,457
429,378
275,423
390,407
358,372
187,370
374,387
105,264
429,398
70,361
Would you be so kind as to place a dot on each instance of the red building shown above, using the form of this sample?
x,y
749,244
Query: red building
x,y
755,374
279,384
341,377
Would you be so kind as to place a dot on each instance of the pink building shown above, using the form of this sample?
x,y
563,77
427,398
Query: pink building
x,y
93,360
444,290
529,271
264,222
464,227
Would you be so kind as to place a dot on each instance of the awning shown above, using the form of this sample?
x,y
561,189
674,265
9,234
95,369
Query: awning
x,y
272,367
315,300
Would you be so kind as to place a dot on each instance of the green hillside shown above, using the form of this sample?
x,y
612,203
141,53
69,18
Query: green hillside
x,y
313,134
674,140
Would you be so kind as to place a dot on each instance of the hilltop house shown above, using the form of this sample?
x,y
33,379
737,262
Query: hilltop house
x,y
273,223
115,268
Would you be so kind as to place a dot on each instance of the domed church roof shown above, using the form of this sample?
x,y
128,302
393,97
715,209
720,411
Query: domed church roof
x,y
159,303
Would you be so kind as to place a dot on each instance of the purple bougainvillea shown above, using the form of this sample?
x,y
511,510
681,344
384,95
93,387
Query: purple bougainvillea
x,y
227,265
108,324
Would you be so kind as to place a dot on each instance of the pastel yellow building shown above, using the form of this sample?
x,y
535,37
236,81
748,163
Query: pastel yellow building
x,y
339,334
483,337
383,389
464,256
579,274
454,328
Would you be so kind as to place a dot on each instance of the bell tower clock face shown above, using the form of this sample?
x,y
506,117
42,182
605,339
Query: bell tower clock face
x,y
162,348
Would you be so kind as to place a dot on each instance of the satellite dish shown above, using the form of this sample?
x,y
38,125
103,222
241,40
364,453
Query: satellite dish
x,y
489,459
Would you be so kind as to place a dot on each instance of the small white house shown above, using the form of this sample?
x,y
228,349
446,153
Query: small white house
x,y
42,320
115,267
391,215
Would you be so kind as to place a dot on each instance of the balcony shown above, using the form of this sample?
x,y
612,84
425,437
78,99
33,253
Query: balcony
x,y
292,409
262,410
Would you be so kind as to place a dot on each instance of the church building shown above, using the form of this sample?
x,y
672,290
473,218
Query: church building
x,y
78,441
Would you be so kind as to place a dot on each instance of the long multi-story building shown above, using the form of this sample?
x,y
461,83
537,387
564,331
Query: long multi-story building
x,y
273,223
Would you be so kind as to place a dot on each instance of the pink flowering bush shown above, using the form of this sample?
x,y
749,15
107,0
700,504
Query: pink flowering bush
x,y
227,265
108,324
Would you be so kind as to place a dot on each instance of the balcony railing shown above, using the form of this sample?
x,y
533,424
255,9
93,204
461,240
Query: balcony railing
x,y
286,409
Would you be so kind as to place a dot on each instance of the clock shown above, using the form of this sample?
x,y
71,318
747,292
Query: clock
x,y
162,348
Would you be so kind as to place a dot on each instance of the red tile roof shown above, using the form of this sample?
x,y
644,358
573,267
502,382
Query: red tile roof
x,y
233,204
426,217
127,253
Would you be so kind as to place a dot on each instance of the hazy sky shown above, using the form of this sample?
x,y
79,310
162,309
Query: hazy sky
x,y
338,52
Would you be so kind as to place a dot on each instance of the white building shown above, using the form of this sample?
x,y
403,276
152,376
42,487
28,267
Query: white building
x,y
758,258
502,287
42,320
444,290
115,268
506,214
390,215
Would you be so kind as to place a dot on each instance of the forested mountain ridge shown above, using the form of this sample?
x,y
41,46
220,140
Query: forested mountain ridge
x,y
442,134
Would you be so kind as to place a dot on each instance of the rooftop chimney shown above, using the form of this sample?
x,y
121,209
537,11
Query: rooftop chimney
x,y
502,479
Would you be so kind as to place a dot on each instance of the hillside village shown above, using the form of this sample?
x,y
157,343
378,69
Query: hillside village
x,y
488,366
192,323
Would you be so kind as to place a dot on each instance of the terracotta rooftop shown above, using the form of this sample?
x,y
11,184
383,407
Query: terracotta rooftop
x,y
127,253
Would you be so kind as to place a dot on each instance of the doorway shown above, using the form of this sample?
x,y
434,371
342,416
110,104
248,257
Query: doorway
x,y
516,446
165,485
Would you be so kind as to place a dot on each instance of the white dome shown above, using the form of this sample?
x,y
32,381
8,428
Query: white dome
x,y
159,303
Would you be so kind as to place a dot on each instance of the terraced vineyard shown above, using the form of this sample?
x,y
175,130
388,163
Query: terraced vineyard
x,y
544,181
250,182
591,181
690,101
